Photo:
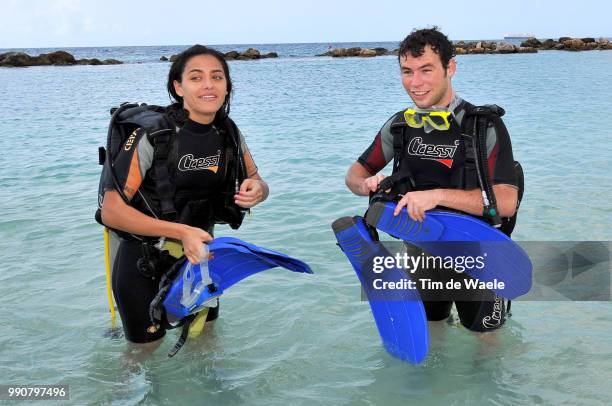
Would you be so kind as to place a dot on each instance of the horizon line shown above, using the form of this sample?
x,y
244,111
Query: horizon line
x,y
268,43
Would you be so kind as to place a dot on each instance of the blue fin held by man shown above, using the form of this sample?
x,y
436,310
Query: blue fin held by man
x,y
451,234
399,313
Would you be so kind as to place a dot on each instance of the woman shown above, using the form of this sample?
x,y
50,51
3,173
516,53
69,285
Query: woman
x,y
204,162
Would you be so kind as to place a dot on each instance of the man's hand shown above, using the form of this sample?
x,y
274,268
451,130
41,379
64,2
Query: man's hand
x,y
371,183
418,202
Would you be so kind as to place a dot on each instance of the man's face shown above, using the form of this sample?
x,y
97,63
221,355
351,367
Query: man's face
x,y
427,82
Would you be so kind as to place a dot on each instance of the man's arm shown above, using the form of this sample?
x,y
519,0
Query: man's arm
x,y
360,181
468,201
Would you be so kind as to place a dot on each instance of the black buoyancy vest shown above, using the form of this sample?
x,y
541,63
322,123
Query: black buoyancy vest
x,y
157,198
402,181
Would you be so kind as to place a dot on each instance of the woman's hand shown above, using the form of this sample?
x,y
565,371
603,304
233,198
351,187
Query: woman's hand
x,y
193,238
252,191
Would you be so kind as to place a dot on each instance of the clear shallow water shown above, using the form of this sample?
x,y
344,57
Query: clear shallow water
x,y
284,337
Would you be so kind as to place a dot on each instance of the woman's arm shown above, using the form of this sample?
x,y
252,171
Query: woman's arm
x,y
117,214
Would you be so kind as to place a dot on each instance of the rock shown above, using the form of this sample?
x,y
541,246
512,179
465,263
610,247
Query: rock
x,y
460,44
17,59
163,58
40,60
589,46
506,48
479,44
93,61
573,44
527,50
363,52
559,47
488,45
531,42
549,44
60,58
460,51
563,39
603,41
381,51
231,55
343,52
251,53
173,58
96,61
587,40
477,50
367,52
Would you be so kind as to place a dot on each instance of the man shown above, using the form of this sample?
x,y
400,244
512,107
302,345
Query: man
x,y
435,158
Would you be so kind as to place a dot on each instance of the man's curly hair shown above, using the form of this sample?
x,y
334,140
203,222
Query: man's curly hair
x,y
417,40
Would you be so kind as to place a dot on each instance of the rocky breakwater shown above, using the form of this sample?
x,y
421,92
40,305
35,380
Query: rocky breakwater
x,y
358,52
249,54
569,44
491,47
57,58
532,45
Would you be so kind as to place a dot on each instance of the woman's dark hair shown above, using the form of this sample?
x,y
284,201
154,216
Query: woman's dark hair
x,y
417,40
176,111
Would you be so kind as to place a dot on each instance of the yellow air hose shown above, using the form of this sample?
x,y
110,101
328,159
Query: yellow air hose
x,y
109,290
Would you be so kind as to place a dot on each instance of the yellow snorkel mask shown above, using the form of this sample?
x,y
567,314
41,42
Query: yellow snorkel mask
x,y
437,119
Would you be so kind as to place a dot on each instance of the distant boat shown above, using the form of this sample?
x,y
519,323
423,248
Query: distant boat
x,y
518,37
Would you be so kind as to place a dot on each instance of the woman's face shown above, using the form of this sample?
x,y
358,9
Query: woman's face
x,y
203,87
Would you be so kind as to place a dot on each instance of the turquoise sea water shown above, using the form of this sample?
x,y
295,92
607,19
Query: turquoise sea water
x,y
288,338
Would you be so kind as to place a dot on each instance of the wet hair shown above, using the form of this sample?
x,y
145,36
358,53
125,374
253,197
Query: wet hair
x,y
176,112
417,40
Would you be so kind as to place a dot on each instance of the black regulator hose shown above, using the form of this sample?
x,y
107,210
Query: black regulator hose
x,y
481,122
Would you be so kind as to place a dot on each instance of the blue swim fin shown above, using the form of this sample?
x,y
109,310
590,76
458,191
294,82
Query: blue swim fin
x,y
228,264
504,260
399,314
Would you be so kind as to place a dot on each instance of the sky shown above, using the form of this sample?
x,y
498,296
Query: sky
x,y
74,23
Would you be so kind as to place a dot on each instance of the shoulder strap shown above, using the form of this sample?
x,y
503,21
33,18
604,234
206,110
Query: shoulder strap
x,y
470,174
476,123
159,130
397,130
399,175
160,174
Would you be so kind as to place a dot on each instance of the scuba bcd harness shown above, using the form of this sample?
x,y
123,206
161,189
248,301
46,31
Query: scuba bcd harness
x,y
159,199
475,121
